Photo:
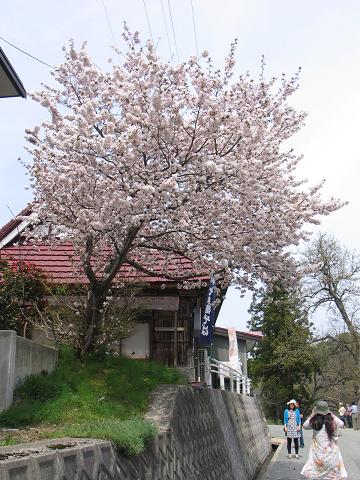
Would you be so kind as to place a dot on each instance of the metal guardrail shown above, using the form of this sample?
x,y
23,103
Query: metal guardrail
x,y
230,379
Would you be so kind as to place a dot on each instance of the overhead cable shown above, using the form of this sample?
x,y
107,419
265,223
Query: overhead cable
x,y
148,21
193,17
109,25
166,30
26,53
108,22
173,30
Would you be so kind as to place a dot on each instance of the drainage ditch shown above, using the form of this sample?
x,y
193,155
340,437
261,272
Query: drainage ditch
x,y
275,444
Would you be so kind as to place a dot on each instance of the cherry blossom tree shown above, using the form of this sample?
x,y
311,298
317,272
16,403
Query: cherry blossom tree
x,y
181,160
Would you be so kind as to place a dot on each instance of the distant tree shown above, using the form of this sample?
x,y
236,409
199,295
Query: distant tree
x,y
333,282
282,363
177,160
333,377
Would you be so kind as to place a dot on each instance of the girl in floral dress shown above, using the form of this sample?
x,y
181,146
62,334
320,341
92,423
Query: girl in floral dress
x,y
325,460
292,424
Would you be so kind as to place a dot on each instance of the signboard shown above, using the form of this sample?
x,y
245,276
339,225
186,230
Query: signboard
x,y
208,320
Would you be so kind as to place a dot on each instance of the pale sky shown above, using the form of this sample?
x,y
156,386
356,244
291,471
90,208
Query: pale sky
x,y
322,36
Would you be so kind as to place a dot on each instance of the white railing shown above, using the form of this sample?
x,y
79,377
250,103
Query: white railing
x,y
229,378
220,374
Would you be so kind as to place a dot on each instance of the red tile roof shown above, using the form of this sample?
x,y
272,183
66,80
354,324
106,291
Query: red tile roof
x,y
61,265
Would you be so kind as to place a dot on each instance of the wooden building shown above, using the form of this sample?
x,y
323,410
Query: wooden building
x,y
165,330
169,321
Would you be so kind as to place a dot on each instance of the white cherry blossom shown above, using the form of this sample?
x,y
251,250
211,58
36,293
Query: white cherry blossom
x,y
176,159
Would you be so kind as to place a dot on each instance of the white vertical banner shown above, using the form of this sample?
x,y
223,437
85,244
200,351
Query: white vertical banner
x,y
233,349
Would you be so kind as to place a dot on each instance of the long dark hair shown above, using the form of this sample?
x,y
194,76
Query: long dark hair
x,y
317,421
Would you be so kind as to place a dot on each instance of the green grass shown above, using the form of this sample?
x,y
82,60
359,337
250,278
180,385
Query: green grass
x,y
274,421
8,440
103,397
130,436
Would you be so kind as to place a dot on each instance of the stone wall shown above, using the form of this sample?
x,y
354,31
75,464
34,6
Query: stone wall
x,y
19,358
33,358
7,367
203,434
216,434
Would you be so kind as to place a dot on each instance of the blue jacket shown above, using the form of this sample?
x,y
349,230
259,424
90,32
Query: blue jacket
x,y
297,416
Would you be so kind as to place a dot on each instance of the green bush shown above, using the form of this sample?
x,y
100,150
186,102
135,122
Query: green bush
x,y
23,413
129,436
38,387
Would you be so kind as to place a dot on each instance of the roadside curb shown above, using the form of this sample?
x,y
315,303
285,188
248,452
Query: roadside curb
x,y
280,442
277,443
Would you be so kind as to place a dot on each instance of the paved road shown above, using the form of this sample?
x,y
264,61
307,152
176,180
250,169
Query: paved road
x,y
282,468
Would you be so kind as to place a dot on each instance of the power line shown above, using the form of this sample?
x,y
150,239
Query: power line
x,y
108,22
166,30
26,53
109,25
193,17
173,30
148,22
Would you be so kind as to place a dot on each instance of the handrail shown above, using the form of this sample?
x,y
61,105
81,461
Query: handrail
x,y
239,382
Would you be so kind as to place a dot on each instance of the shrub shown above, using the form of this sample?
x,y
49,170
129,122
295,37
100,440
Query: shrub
x,y
38,387
21,413
129,436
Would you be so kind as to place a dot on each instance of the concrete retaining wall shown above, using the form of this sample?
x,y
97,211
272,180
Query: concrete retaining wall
x,y
203,435
19,358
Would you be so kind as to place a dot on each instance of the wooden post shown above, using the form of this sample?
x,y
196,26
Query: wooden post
x,y
152,335
222,380
175,340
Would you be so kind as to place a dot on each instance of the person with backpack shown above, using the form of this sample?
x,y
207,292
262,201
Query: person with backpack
x,y
325,460
299,407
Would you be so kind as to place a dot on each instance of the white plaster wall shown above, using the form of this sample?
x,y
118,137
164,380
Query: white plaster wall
x,y
137,345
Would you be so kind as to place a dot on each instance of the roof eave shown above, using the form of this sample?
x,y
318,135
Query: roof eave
x,y
12,76
248,336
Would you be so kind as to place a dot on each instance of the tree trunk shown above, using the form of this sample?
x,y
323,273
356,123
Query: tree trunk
x,y
100,287
92,318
